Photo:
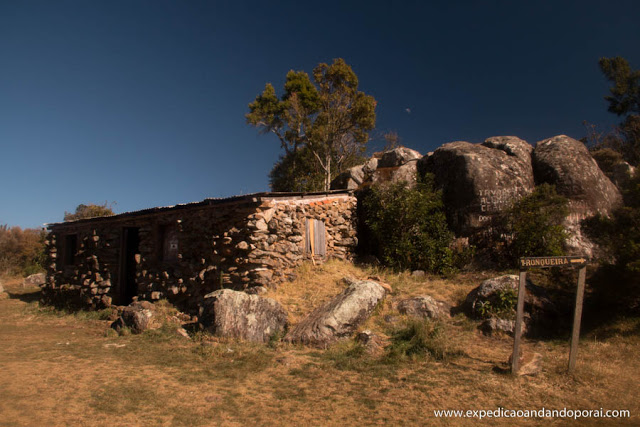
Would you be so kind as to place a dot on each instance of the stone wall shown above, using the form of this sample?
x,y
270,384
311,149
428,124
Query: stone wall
x,y
252,242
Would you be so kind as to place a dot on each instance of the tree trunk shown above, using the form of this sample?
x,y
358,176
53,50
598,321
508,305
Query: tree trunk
x,y
327,174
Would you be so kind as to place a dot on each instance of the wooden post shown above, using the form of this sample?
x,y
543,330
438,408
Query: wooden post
x,y
577,316
515,358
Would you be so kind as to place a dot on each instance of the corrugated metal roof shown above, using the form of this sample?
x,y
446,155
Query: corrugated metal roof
x,y
205,202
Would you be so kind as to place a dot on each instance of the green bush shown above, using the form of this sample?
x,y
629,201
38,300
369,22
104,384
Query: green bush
x,y
535,224
619,235
407,228
503,306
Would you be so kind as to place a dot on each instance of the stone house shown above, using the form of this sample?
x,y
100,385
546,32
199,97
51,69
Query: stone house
x,y
181,253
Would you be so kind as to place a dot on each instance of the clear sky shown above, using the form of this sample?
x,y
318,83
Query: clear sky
x,y
142,103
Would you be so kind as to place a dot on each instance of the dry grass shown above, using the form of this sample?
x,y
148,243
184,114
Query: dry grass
x,y
61,369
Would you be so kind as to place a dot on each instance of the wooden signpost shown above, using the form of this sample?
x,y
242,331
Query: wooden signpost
x,y
574,262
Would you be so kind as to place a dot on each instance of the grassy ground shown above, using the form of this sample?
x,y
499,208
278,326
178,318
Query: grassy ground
x,y
59,369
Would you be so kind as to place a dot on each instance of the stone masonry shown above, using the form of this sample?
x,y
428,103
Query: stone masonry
x,y
237,243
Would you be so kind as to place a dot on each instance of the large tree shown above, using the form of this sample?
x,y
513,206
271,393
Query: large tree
x,y
624,100
325,122
625,92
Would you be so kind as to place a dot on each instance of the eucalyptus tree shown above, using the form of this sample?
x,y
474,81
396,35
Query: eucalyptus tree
x,y
326,122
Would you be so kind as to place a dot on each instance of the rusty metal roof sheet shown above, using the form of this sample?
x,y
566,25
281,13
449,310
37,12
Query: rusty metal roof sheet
x,y
251,197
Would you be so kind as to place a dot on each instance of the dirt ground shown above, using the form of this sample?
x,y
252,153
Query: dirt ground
x,y
59,368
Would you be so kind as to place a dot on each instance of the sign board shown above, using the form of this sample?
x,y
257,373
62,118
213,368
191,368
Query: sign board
x,y
552,261
549,262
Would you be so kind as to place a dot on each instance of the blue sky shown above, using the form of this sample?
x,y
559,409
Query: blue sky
x,y
142,103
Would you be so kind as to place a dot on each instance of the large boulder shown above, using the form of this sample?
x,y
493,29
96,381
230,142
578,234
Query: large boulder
x,y
479,181
406,173
397,165
567,164
424,307
340,317
351,179
539,310
34,280
232,314
512,145
397,157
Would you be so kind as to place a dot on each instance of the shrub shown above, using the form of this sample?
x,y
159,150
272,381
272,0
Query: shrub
x,y
408,227
619,235
535,224
21,251
89,211
503,306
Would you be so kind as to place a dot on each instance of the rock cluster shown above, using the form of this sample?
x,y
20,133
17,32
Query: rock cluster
x,y
480,181
397,165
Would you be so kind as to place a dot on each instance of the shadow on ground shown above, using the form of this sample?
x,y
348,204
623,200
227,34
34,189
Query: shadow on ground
x,y
27,295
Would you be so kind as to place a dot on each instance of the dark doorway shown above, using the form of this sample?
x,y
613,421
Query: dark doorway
x,y
130,247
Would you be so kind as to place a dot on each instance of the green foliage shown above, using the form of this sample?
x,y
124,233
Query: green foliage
x,y
89,211
503,306
21,251
297,171
419,339
619,234
606,158
624,100
625,92
328,117
408,227
630,130
535,224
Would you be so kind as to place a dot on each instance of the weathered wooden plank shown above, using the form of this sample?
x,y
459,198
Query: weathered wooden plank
x,y
577,317
515,358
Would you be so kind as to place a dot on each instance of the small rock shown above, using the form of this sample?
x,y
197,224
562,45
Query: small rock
x,y
183,332
372,342
256,290
34,280
424,307
495,325
418,273
114,345
138,316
